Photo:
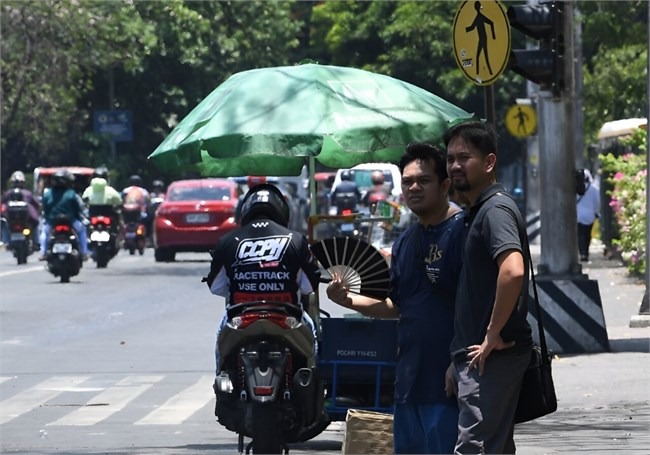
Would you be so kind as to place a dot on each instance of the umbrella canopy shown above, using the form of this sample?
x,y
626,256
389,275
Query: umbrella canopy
x,y
267,121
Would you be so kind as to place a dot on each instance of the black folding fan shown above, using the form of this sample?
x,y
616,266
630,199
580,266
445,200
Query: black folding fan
x,y
360,267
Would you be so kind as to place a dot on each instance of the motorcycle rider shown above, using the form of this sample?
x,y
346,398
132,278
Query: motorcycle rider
x,y
379,190
346,195
99,192
17,183
62,199
157,198
136,198
289,266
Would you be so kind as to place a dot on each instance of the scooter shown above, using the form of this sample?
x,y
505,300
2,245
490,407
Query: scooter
x,y
135,231
63,256
103,233
269,387
21,234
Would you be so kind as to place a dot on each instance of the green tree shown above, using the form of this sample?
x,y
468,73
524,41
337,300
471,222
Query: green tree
x,y
615,50
49,53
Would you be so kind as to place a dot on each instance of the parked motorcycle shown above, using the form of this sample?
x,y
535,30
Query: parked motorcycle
x,y
135,231
21,234
269,387
63,256
103,233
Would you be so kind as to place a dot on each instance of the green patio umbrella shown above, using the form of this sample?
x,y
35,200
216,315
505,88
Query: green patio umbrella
x,y
269,121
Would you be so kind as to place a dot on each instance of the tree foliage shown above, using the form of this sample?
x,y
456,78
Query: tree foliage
x,y
615,68
58,57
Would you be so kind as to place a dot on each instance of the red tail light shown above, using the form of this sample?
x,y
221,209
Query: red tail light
x,y
100,219
346,212
263,390
140,230
248,319
62,228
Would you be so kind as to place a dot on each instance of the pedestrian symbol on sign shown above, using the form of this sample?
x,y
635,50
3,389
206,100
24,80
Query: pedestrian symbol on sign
x,y
481,36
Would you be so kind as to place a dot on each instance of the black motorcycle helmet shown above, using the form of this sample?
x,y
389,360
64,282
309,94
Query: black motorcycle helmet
x,y
347,175
158,185
62,178
265,201
101,172
135,180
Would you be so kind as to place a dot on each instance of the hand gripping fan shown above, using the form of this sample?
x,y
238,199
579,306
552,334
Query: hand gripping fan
x,y
360,267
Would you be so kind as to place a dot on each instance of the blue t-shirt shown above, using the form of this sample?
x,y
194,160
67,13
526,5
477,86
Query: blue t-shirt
x,y
425,265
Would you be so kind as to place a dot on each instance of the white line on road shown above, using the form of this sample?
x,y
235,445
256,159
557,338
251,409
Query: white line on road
x,y
108,402
16,272
5,378
181,406
35,396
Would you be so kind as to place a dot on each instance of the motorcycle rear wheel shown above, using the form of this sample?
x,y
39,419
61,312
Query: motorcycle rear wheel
x,y
267,436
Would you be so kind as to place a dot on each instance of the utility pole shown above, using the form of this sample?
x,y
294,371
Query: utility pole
x,y
574,320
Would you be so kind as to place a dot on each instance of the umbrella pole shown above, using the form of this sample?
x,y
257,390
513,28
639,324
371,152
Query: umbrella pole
x,y
312,185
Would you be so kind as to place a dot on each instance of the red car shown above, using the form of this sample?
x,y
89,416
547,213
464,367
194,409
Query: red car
x,y
194,216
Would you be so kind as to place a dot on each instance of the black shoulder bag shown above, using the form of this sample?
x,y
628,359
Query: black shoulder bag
x,y
537,396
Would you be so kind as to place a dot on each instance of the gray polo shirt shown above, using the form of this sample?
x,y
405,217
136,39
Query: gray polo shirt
x,y
492,228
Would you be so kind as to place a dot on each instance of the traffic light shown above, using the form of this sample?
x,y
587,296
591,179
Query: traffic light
x,y
545,65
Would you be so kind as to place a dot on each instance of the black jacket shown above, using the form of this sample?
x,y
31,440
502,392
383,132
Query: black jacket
x,y
263,260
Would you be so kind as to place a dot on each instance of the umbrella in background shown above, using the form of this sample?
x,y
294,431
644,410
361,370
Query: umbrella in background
x,y
269,121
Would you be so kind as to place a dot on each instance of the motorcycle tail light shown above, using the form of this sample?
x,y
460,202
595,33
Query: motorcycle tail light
x,y
100,220
62,228
346,212
26,232
140,230
243,321
263,390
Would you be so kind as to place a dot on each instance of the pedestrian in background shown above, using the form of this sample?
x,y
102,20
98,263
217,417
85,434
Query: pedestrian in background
x,y
492,340
587,208
424,267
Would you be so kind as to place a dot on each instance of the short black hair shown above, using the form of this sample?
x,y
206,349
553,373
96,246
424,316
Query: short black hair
x,y
481,135
425,152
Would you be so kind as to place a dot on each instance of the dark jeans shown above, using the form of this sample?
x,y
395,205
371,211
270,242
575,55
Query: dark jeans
x,y
584,239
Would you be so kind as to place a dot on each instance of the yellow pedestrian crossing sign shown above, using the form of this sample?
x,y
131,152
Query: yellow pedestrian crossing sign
x,y
521,120
481,36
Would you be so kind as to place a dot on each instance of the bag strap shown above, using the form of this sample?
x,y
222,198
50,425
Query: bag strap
x,y
523,236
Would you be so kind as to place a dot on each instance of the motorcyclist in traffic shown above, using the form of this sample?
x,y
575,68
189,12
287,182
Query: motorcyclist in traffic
x,y
263,253
17,183
346,195
61,199
136,198
99,192
379,190
157,198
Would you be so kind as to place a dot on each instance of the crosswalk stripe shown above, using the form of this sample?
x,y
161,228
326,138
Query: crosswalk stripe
x,y
108,402
28,399
181,406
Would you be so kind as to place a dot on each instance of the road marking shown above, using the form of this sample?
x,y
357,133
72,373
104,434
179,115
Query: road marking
x,y
181,406
16,272
5,378
108,402
35,396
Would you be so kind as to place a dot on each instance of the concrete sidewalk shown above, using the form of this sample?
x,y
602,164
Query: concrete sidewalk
x,y
603,399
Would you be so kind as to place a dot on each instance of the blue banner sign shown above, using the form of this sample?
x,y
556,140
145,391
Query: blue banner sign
x,y
117,124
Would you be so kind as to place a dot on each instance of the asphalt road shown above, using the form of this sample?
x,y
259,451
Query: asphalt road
x,y
119,360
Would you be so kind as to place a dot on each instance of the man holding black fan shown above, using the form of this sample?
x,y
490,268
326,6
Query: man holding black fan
x,y
425,264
